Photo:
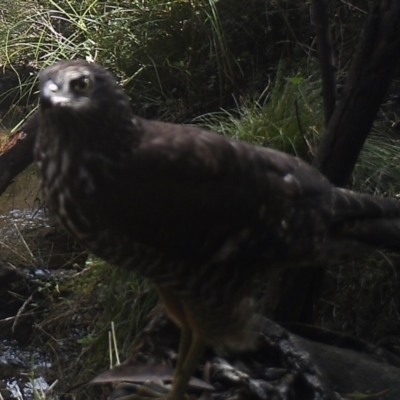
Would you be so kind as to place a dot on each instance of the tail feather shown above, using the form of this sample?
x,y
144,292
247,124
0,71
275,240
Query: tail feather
x,y
381,233
368,220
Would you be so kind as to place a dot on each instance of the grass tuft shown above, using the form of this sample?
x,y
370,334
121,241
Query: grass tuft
x,y
286,116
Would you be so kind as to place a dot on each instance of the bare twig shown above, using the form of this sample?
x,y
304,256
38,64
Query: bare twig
x,y
23,241
353,7
51,387
373,66
110,349
21,310
17,154
9,319
115,343
325,55
14,251
303,135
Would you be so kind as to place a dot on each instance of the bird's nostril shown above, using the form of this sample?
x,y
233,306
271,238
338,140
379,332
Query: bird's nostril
x,y
47,92
52,87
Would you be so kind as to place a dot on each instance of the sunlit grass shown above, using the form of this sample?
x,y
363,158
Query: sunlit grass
x,y
78,320
287,116
176,59
171,56
378,167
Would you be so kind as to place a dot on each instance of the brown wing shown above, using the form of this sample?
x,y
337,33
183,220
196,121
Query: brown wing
x,y
183,191
196,194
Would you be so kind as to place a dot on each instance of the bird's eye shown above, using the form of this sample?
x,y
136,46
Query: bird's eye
x,y
81,85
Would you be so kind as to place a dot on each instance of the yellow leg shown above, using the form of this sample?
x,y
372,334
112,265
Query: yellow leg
x,y
184,346
191,347
186,368
190,350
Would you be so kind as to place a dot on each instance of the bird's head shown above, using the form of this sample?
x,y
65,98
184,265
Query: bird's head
x,y
79,87
82,102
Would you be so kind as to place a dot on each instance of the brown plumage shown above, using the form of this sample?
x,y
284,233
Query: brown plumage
x,y
202,216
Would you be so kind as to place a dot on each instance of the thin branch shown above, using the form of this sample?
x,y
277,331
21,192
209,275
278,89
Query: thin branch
x,y
373,66
21,311
17,154
325,55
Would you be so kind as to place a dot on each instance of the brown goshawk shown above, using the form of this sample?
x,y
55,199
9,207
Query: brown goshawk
x,y
204,217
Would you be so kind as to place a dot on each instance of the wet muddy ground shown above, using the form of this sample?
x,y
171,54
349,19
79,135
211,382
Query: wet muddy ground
x,y
23,370
34,255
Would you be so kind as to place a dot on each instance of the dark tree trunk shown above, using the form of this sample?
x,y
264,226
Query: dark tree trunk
x,y
320,20
350,122
369,77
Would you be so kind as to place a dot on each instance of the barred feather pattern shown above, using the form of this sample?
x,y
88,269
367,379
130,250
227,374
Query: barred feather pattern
x,y
198,213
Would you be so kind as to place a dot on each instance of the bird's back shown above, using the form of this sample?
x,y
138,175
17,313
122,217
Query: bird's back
x,y
198,213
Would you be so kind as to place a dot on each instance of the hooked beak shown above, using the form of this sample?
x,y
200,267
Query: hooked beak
x,y
50,95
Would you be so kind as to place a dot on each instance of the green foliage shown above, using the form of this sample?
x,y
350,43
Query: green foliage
x,y
378,167
173,57
362,299
287,116
79,314
178,59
